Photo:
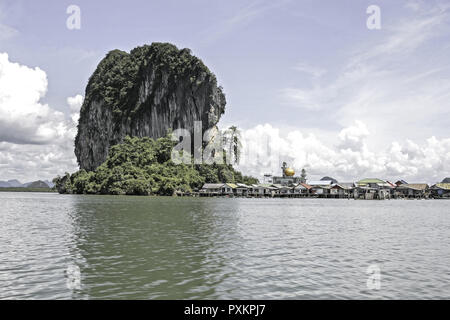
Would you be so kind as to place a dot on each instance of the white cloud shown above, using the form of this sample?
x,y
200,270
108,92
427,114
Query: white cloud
x,y
413,5
403,38
33,162
75,106
36,141
397,83
351,158
7,32
308,99
353,137
242,16
315,72
23,118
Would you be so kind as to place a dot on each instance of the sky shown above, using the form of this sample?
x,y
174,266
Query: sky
x,y
307,82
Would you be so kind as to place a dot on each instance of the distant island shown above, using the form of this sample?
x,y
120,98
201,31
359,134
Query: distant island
x,y
145,93
34,186
132,102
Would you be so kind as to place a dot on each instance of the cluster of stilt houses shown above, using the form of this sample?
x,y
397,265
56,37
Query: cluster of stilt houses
x,y
289,186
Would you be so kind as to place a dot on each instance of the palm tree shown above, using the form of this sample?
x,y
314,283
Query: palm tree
x,y
303,175
232,138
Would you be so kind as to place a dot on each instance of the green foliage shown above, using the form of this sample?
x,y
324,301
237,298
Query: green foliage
x,y
232,137
303,175
250,180
143,166
63,184
118,76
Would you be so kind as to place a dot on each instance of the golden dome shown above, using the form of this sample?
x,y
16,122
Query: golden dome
x,y
289,172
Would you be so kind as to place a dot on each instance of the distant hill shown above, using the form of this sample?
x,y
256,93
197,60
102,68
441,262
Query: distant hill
x,y
446,180
34,184
4,184
38,184
329,179
49,183
11,184
15,183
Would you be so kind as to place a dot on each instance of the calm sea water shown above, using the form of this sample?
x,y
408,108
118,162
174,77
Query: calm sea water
x,y
106,247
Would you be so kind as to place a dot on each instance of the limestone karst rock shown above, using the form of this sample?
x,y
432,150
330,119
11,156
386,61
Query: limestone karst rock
x,y
144,93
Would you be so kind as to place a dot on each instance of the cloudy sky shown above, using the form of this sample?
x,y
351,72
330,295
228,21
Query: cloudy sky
x,y
306,81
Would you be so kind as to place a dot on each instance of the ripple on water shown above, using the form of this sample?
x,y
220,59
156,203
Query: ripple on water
x,y
165,248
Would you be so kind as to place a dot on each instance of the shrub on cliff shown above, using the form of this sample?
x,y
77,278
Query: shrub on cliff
x,y
143,166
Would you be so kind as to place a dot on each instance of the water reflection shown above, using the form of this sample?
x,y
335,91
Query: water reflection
x,y
135,248
34,247
186,248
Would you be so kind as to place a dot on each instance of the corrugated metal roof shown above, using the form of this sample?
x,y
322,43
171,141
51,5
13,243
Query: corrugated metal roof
x,y
320,183
370,180
321,187
391,184
212,185
444,186
259,186
279,186
242,185
345,185
414,186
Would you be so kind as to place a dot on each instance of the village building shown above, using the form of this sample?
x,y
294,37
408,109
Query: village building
x,y
241,190
342,190
441,190
328,188
302,190
260,190
320,188
400,182
370,189
283,190
228,188
218,189
336,191
211,189
288,177
320,183
320,191
267,178
413,190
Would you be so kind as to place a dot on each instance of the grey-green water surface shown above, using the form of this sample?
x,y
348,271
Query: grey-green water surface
x,y
211,248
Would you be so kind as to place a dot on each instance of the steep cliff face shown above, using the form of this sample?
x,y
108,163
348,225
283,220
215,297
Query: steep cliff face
x,y
144,93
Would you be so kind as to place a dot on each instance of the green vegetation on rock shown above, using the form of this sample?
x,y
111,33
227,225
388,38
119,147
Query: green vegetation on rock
x,y
116,79
143,94
143,166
